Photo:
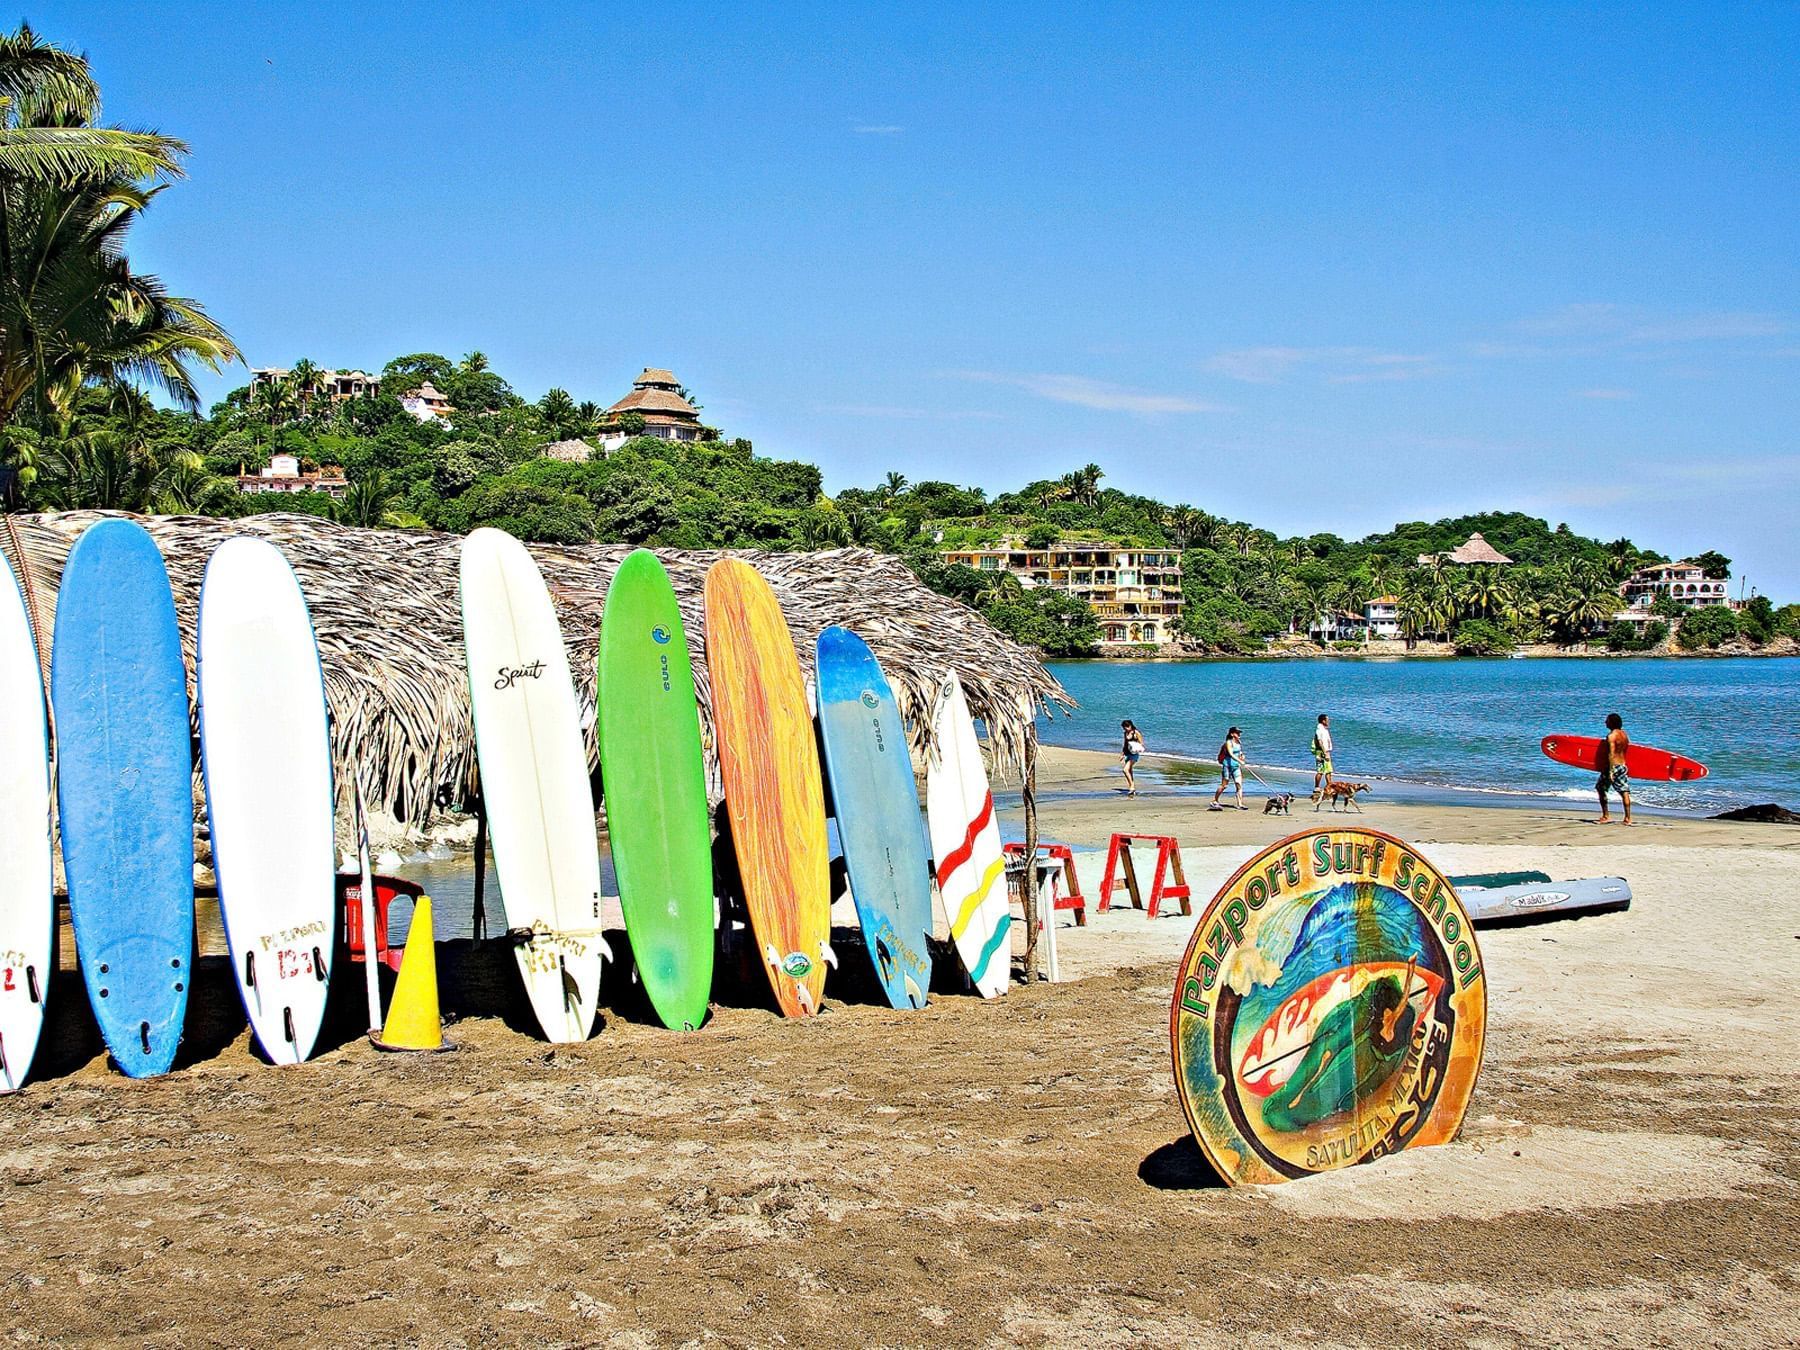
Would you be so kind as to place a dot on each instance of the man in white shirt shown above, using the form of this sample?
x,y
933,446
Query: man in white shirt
x,y
1321,748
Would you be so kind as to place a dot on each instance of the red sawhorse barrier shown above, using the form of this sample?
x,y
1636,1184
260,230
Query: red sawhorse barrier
x,y
1168,883
1071,898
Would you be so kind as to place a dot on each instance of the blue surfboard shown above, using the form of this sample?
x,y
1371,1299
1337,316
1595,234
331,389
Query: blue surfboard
x,y
124,778
877,809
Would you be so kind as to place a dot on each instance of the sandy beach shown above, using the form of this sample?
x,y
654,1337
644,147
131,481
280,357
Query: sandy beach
x,y
1017,1172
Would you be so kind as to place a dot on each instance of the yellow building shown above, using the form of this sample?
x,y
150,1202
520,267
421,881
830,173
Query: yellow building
x,y
1134,592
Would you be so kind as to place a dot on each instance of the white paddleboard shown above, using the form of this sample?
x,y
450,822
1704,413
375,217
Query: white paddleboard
x,y
27,905
534,781
965,845
265,746
1540,899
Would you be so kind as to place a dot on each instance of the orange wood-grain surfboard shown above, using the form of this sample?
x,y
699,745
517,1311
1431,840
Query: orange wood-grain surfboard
x,y
769,764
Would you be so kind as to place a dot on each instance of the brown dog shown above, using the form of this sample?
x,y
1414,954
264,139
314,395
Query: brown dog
x,y
1342,795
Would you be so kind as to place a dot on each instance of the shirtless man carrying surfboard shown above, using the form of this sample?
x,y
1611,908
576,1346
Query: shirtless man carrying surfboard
x,y
1612,768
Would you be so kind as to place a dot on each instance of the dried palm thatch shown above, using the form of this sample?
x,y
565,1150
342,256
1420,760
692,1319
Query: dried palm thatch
x,y
385,609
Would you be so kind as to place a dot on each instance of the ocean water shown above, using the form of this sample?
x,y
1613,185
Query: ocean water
x,y
1455,730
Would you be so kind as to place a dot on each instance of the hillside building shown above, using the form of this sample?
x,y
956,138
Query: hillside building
x,y
1475,550
1684,582
337,385
657,398
1134,592
426,403
283,474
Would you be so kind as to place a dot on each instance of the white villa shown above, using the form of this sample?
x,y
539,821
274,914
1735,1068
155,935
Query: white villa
x,y
426,403
1684,582
1379,621
283,475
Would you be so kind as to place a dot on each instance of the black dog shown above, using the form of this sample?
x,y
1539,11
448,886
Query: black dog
x,y
1279,804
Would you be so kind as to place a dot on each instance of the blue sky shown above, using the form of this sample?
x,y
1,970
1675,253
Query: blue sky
x,y
1318,267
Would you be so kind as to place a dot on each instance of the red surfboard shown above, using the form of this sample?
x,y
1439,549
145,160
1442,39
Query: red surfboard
x,y
1641,761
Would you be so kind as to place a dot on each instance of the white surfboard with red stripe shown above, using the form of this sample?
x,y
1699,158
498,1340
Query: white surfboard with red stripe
x,y
965,842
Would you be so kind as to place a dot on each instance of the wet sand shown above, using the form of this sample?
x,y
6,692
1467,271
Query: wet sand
x,y
1015,1172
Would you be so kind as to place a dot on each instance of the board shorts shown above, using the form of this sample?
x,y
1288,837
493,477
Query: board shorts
x,y
1132,756
1323,762
1615,778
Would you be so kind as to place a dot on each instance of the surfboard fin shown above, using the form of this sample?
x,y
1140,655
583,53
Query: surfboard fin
x,y
32,984
144,1034
772,956
319,966
287,1027
826,955
250,970
914,993
804,994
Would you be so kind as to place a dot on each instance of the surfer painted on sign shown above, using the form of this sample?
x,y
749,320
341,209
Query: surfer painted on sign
x,y
1613,775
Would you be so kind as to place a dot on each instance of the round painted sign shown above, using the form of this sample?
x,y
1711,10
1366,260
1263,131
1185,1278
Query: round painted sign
x,y
1330,1009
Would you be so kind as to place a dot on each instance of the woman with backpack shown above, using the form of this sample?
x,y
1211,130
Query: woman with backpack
x,y
1231,770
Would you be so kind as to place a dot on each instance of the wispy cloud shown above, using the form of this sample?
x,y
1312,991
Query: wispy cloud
x,y
1335,365
908,414
1605,393
877,129
1099,395
1632,325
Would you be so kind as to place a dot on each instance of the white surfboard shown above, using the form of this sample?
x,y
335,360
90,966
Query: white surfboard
x,y
265,746
965,845
27,905
534,781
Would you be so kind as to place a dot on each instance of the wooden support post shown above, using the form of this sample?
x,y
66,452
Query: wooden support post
x,y
1029,796
478,919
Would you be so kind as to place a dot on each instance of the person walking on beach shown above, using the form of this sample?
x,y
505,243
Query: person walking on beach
x,y
1231,770
1132,752
1613,774
1321,748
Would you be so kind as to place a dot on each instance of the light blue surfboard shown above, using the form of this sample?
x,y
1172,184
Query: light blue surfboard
x,y
877,809
124,776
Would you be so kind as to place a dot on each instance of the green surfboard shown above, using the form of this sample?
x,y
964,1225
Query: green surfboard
x,y
654,779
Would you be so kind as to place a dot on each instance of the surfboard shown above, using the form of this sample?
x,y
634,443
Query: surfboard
x,y
1330,1009
27,902
965,842
653,768
1532,901
1644,762
534,781
265,749
876,805
125,789
774,795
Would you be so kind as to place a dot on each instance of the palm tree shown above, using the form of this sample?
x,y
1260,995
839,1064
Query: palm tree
x,y
72,310
305,380
893,485
1084,484
183,487
558,411
274,399
48,100
366,502
474,363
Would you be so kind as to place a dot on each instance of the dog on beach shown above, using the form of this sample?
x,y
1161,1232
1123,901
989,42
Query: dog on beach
x,y
1280,804
1341,794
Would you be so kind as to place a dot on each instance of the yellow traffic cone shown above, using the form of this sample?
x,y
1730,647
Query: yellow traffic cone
x,y
413,1020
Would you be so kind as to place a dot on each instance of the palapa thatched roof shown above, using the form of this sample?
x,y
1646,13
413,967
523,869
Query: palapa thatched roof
x,y
386,611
